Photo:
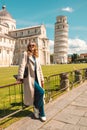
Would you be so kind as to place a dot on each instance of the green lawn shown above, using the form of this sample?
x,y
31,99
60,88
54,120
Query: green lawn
x,y
59,68
6,73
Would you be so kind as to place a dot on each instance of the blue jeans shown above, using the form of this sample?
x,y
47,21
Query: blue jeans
x,y
38,98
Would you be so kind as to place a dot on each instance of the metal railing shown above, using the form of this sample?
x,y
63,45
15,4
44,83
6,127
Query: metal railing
x,y
11,96
56,84
11,99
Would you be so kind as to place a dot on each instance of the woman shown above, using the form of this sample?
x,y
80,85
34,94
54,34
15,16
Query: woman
x,y
33,84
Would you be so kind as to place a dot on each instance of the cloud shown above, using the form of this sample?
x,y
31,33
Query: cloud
x,y
51,42
75,46
67,9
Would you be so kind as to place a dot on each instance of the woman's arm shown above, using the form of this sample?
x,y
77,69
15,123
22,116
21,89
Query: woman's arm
x,y
41,73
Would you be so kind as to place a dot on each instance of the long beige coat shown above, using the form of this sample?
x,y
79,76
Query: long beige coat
x,y
29,82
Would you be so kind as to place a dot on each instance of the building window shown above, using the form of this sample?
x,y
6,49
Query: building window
x,y
13,27
7,51
38,31
25,41
33,39
22,42
35,30
44,43
28,32
21,33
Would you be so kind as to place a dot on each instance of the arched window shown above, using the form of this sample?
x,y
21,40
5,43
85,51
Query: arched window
x,y
6,25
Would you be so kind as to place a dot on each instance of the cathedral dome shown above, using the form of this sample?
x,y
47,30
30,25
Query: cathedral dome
x,y
6,19
4,12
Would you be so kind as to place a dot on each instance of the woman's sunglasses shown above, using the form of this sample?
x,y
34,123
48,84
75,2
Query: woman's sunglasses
x,y
31,45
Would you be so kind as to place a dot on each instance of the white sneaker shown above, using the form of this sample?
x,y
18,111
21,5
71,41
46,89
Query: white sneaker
x,y
43,118
36,113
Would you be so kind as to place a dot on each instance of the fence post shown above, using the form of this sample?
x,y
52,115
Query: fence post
x,y
64,81
86,73
78,76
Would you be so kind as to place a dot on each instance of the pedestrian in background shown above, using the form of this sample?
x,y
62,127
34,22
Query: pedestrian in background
x,y
34,82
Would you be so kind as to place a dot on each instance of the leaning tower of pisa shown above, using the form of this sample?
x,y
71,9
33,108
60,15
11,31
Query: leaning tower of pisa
x,y
61,40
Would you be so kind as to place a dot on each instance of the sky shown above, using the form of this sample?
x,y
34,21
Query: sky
x,y
29,13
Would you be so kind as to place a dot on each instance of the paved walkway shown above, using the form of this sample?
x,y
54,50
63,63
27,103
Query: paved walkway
x,y
67,112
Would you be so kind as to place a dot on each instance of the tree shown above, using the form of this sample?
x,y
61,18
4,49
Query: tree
x,y
51,58
74,57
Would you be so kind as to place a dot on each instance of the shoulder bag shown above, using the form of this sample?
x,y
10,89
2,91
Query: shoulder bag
x,y
26,70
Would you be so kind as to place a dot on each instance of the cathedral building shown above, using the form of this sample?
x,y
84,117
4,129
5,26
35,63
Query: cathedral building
x,y
14,41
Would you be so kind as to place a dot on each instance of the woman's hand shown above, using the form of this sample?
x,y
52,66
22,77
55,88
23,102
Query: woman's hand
x,y
42,84
19,80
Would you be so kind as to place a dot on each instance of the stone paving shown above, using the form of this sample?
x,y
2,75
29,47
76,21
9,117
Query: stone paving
x,y
67,112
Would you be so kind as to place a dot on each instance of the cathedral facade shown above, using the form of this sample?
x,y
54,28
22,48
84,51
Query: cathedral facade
x,y
14,41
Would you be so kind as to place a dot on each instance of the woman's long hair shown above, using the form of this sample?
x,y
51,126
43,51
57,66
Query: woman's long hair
x,y
35,52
